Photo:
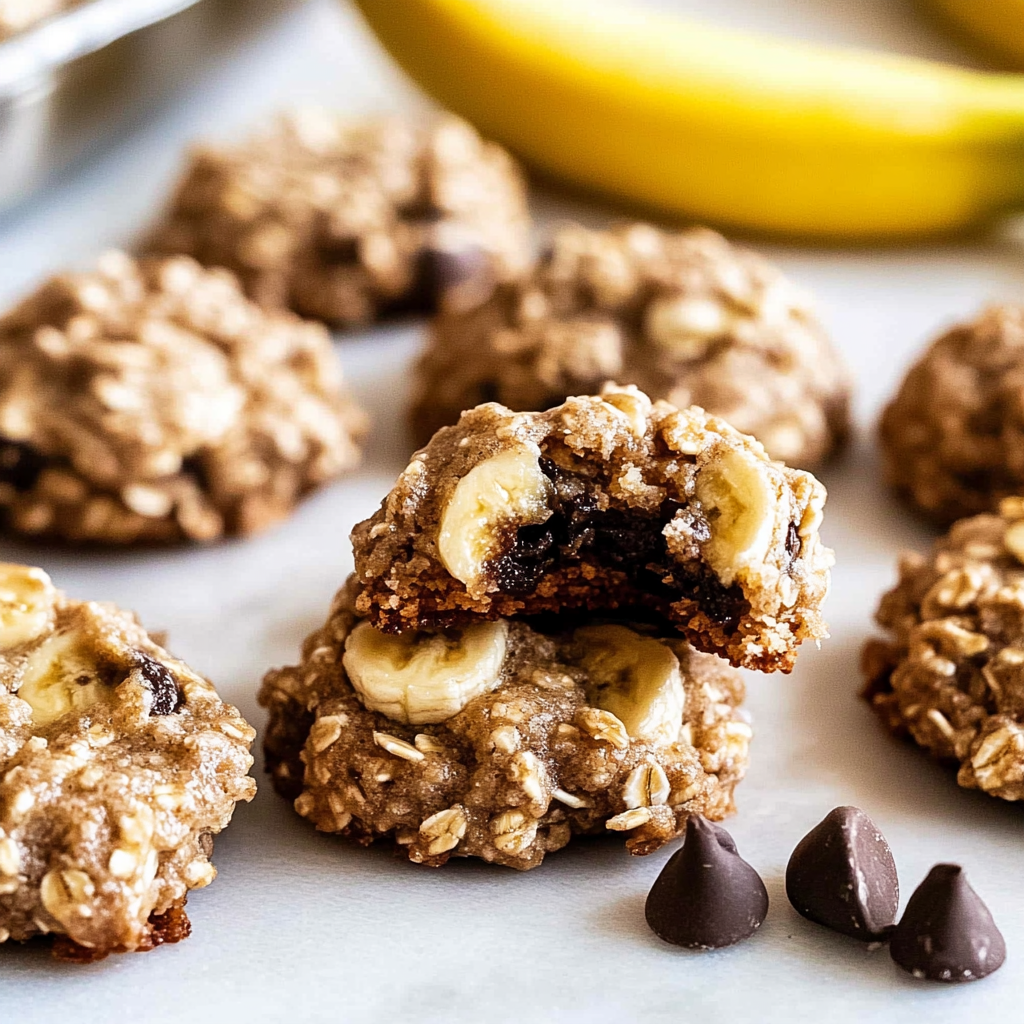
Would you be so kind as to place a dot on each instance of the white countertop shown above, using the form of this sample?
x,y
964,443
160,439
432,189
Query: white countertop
x,y
301,927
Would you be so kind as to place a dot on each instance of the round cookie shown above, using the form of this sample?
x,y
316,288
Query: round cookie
x,y
152,402
953,437
346,220
117,765
604,502
951,675
684,316
501,741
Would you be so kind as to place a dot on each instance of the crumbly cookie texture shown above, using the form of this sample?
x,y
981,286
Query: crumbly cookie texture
x,y
345,220
952,673
953,437
602,503
18,15
685,316
502,742
117,766
153,402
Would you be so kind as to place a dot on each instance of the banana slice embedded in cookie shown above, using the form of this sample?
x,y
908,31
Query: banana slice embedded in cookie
x,y
636,678
27,601
738,497
421,678
507,489
59,678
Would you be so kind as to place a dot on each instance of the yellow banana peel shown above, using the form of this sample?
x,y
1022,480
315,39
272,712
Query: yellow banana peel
x,y
998,25
686,118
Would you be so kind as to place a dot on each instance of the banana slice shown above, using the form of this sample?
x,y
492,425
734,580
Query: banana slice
x,y
27,601
508,488
736,492
636,678
59,678
421,678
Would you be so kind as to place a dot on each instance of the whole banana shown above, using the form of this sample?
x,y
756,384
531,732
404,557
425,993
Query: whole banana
x,y
998,25
753,132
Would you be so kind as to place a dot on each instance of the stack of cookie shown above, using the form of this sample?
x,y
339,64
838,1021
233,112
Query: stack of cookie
x,y
536,641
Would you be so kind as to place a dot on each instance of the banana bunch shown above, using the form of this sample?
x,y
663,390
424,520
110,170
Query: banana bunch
x,y
753,132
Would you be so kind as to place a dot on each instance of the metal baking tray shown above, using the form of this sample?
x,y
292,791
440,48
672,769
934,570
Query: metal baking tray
x,y
68,83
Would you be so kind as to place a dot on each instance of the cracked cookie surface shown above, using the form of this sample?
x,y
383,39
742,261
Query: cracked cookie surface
x,y
951,674
602,503
118,764
501,740
345,220
152,402
684,316
953,437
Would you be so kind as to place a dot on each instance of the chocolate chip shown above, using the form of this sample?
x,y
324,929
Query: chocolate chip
x,y
630,541
706,896
842,875
20,465
947,932
166,696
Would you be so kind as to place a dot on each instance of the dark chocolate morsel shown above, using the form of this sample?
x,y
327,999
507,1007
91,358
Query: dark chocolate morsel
x,y
842,875
162,685
20,464
947,933
706,896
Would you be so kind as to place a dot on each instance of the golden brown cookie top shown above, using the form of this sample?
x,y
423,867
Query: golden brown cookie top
x,y
117,762
345,219
952,670
953,436
686,316
152,401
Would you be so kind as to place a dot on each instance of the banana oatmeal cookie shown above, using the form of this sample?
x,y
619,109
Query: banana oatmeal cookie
x,y
686,317
117,766
953,437
502,740
346,220
153,402
602,503
952,674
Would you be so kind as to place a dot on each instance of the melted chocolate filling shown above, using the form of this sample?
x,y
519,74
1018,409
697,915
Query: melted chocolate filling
x,y
629,541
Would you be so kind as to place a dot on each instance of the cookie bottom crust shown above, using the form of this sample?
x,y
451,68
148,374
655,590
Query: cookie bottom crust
x,y
162,929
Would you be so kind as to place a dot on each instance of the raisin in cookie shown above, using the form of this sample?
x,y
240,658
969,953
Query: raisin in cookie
x,y
118,764
345,220
602,503
686,317
952,673
953,437
500,741
153,402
